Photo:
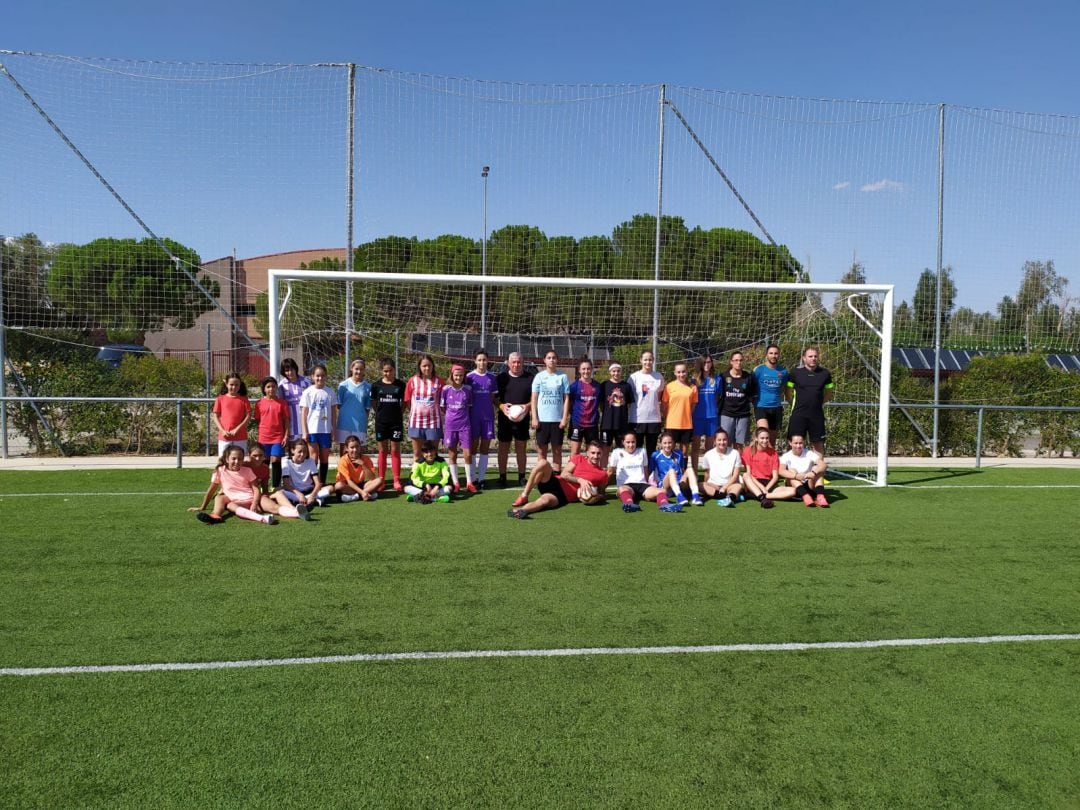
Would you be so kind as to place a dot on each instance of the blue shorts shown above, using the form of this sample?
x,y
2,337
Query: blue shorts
x,y
430,434
705,426
323,440
275,449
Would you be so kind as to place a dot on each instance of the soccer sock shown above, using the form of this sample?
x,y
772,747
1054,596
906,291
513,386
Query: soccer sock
x,y
454,474
324,468
761,497
626,496
801,490
395,465
324,492
247,514
411,490
661,499
820,490
288,511
382,464
275,473
481,467
468,474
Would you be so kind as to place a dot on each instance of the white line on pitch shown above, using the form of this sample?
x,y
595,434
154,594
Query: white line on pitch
x,y
984,486
91,494
542,653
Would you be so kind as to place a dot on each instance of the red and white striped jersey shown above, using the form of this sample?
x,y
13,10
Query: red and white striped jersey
x,y
423,399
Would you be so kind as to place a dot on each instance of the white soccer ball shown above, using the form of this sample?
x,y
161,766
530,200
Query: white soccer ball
x,y
515,412
588,494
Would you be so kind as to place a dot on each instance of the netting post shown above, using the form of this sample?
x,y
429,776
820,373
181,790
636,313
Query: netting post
x,y
937,307
483,264
3,359
209,384
659,215
275,327
885,389
350,146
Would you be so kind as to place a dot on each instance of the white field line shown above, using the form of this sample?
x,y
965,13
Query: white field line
x,y
570,652
93,494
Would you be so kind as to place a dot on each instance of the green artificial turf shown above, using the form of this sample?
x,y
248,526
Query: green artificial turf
x,y
134,578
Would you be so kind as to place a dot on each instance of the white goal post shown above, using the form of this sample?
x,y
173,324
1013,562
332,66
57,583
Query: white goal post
x,y
281,286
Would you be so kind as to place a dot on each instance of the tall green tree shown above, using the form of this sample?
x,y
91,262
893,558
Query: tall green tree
x,y
924,305
129,287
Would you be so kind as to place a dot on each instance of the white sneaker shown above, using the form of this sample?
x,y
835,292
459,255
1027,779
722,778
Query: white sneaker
x,y
350,497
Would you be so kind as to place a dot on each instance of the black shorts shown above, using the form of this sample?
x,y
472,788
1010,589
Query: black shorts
x,y
613,437
811,426
772,416
682,436
638,490
512,431
388,431
549,433
584,434
553,487
646,428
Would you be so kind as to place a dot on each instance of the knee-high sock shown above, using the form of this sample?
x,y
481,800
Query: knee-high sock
x,y
454,473
288,511
324,468
247,514
395,464
382,463
275,473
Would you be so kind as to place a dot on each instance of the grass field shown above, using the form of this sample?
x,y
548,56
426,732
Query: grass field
x,y
100,579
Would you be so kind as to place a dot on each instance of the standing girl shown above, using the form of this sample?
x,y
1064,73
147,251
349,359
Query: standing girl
x,y
354,402
318,415
456,401
272,414
388,394
422,397
232,412
584,409
482,416
645,409
705,412
290,387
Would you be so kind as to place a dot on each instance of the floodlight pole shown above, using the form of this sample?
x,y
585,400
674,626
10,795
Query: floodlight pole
x,y
659,215
483,263
937,309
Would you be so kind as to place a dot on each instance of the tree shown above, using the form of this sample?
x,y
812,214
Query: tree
x,y
129,287
924,305
1038,312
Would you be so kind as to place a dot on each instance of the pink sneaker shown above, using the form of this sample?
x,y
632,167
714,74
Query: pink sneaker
x,y
808,499
822,501
520,501
471,489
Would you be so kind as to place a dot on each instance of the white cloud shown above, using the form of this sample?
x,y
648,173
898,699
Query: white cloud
x,y
882,185
842,186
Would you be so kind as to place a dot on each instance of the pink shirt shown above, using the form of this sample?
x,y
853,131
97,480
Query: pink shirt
x,y
236,484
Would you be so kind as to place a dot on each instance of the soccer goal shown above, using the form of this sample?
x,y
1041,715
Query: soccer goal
x,y
449,317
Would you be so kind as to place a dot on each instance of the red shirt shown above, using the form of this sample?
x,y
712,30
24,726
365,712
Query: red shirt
x,y
762,463
232,412
273,418
597,476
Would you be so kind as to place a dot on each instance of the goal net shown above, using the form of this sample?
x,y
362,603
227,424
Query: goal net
x,y
451,316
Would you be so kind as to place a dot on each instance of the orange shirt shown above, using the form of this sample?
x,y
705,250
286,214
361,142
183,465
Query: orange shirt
x,y
680,400
347,470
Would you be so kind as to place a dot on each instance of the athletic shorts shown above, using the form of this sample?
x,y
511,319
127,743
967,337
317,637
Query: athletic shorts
x,y
773,416
388,431
275,449
549,433
512,431
584,435
705,426
810,426
322,440
737,427
483,429
637,490
553,486
682,435
426,434
454,439
225,444
646,429
614,437
342,436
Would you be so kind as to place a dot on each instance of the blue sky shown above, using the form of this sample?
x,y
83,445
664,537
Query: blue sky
x,y
979,54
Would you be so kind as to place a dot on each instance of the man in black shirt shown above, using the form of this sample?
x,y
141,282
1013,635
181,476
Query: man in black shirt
x,y
514,388
809,387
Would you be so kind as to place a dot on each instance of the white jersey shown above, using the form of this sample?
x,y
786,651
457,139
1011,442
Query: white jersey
x,y
647,391
302,475
800,464
320,403
721,467
629,467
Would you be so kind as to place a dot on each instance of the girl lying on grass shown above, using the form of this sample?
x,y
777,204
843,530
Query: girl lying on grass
x,y
239,491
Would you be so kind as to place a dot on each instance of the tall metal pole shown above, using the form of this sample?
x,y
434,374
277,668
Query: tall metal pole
x,y
483,264
937,309
349,198
659,215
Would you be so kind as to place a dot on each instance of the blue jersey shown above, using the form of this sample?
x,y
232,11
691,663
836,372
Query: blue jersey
x,y
584,403
770,386
660,464
707,390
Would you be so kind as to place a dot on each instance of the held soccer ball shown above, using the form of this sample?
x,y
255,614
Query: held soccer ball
x,y
588,494
515,412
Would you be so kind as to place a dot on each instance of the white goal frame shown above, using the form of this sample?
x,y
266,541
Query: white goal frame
x,y
886,334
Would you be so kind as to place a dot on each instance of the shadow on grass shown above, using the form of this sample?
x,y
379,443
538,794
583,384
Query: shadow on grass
x,y
943,474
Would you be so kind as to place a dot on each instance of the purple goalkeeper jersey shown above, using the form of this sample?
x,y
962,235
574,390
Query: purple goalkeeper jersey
x,y
484,389
458,404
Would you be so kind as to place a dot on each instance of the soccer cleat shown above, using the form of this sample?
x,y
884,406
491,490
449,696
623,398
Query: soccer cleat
x,y
302,512
481,485
680,499
631,507
320,501
808,499
521,480
766,503
350,497
208,519
671,507
822,501
696,501
724,502
501,483
471,489
398,486
517,514
520,500
742,497
374,496
457,488
443,499
271,520
410,498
